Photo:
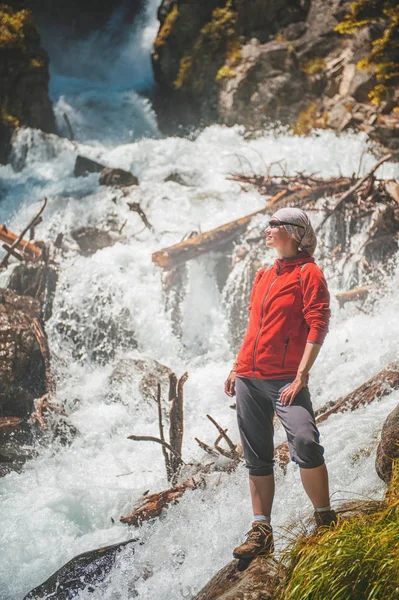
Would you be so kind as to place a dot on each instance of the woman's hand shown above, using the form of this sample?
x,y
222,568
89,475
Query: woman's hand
x,y
287,396
229,384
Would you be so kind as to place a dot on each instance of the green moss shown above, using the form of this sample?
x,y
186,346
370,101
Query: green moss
x,y
307,120
216,45
36,63
8,118
185,71
357,559
384,56
15,28
225,72
313,66
167,27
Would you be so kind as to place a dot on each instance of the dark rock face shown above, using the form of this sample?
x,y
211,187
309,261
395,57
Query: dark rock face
x,y
82,572
24,78
388,448
78,19
22,372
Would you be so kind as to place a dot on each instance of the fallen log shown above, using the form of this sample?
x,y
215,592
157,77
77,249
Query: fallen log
x,y
29,250
170,257
154,504
355,294
378,386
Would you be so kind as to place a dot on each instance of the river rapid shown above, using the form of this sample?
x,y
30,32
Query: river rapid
x,y
68,499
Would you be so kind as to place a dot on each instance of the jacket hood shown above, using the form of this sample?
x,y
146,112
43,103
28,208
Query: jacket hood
x,y
281,264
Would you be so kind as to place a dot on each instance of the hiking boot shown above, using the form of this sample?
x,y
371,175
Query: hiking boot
x,y
258,543
325,518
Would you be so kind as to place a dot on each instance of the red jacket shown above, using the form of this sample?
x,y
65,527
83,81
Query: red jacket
x,y
289,305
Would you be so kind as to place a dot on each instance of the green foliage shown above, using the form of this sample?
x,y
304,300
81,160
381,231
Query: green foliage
x,y
384,56
15,28
357,559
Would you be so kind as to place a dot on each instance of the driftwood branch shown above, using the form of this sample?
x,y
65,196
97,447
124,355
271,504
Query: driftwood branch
x,y
161,433
355,294
223,435
154,504
151,438
45,351
176,423
31,251
135,206
354,187
173,460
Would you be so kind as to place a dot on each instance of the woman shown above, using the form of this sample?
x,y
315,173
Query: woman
x,y
289,320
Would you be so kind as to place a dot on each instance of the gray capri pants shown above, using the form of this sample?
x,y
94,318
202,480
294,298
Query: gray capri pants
x,y
256,401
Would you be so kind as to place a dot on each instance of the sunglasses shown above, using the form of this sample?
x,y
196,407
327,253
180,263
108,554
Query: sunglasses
x,y
280,223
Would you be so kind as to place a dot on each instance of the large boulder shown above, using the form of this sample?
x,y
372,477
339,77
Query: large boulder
x,y
388,448
233,582
24,78
85,571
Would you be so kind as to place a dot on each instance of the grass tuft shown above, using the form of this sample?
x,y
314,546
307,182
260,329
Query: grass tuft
x,y
357,559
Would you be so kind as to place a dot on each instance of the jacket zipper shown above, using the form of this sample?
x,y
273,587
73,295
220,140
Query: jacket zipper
x,y
260,327
287,339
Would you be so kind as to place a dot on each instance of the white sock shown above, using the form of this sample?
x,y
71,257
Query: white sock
x,y
323,508
259,518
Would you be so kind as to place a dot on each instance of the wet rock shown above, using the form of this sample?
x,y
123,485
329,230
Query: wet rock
x,y
91,239
388,448
146,373
385,130
22,372
84,166
98,329
179,178
267,83
82,572
38,281
255,582
356,82
117,177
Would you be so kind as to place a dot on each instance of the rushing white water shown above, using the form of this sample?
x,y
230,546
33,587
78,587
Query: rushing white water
x,y
63,501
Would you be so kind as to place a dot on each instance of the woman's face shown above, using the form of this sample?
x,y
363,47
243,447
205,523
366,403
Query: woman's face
x,y
278,238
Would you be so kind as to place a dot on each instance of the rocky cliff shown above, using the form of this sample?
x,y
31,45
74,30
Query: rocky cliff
x,y
24,77
308,63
